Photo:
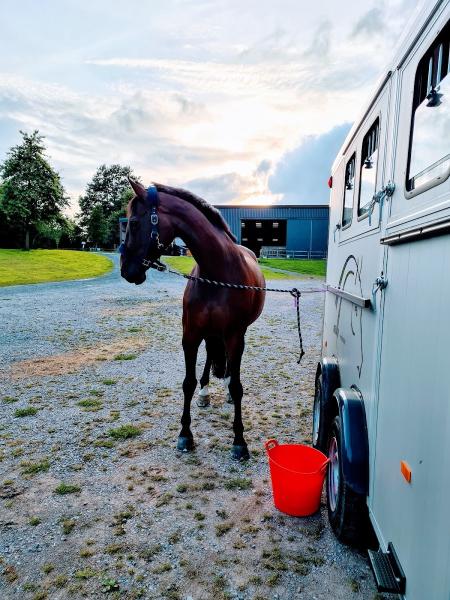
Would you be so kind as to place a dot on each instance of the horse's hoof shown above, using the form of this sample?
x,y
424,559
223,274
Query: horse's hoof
x,y
229,398
185,444
203,401
239,452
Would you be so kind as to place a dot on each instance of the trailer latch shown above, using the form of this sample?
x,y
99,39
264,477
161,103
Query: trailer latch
x,y
380,283
386,192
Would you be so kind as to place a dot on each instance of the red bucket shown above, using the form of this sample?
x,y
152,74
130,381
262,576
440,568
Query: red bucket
x,y
297,474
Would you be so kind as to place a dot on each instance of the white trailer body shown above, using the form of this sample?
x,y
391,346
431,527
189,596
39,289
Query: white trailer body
x,y
382,404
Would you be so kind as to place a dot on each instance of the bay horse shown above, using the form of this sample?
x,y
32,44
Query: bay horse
x,y
220,316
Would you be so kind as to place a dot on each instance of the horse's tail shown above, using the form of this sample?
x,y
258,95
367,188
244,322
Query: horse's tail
x,y
215,348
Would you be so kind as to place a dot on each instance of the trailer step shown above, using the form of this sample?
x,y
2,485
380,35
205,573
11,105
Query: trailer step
x,y
389,575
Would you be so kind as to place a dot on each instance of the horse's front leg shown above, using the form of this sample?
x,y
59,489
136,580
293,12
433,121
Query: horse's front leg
x,y
235,348
186,439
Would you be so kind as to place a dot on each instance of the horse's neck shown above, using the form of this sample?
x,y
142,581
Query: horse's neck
x,y
211,248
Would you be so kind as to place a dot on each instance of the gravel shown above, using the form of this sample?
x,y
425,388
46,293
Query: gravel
x,y
146,521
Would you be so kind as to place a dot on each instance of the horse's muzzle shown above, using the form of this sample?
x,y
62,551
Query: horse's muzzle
x,y
137,278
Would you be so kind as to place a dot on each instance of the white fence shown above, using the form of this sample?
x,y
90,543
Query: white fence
x,y
273,252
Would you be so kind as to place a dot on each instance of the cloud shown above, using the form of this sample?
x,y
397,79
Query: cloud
x,y
372,22
263,168
141,129
319,48
201,98
302,173
220,189
236,188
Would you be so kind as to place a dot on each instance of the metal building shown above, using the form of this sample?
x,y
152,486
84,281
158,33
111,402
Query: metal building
x,y
280,230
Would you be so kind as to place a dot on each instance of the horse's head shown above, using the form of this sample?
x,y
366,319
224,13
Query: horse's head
x,y
139,243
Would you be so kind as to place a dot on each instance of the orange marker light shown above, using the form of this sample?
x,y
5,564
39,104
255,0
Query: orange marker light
x,y
406,470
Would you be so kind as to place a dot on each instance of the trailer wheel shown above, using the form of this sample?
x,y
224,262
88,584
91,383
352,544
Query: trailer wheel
x,y
347,510
319,427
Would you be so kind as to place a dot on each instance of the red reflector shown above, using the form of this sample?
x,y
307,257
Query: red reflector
x,y
330,182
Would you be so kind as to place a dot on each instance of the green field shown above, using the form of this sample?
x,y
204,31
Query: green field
x,y
185,264
36,266
315,268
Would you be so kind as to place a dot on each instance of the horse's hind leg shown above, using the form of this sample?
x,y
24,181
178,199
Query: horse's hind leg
x,y
203,395
226,385
235,347
186,439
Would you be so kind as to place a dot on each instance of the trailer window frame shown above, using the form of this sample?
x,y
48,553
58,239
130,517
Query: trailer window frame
x,y
432,69
348,223
363,211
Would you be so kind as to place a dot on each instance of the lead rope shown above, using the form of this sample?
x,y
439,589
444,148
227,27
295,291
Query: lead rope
x,y
297,294
159,266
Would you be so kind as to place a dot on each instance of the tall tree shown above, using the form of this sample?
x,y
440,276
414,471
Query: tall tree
x,y
32,192
104,201
97,227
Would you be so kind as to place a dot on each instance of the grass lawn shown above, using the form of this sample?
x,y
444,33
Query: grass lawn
x,y
315,268
36,266
185,264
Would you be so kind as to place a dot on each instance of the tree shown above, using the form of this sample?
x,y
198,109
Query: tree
x,y
32,192
104,201
113,219
51,232
97,227
72,234
6,233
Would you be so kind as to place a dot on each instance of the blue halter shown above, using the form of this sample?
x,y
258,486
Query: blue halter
x,y
155,247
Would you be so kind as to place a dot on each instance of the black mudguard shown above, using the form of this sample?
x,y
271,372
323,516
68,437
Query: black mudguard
x,y
355,441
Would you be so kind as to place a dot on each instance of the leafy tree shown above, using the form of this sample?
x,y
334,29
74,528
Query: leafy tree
x,y
32,192
54,231
72,234
97,227
104,201
6,233
113,219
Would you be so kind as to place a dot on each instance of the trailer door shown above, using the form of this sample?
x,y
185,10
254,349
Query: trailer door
x,y
413,424
411,473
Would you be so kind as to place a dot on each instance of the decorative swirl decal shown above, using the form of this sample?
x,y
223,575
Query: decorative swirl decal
x,y
349,316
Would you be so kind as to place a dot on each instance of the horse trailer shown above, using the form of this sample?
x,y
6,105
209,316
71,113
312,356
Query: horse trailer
x,y
382,400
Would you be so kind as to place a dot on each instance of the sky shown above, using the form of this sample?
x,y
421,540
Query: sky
x,y
242,101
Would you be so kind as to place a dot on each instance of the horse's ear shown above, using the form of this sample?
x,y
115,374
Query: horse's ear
x,y
138,188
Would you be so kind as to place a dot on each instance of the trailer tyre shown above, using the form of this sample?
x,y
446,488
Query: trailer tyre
x,y
320,420
347,510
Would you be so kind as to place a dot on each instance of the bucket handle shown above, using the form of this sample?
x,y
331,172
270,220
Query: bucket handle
x,y
270,444
324,466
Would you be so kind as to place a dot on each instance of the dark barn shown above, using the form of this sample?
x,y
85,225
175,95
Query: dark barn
x,y
289,230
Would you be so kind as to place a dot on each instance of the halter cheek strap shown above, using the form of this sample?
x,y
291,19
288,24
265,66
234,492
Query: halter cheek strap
x,y
153,201
155,248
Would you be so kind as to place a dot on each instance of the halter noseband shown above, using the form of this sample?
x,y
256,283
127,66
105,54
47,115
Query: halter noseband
x,y
155,248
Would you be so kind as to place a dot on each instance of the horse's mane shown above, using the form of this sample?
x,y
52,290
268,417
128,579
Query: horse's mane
x,y
211,213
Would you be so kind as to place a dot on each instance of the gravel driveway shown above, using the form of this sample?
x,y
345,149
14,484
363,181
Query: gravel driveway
x,y
94,499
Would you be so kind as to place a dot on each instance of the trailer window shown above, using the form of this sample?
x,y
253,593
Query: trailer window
x,y
349,191
369,165
430,132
